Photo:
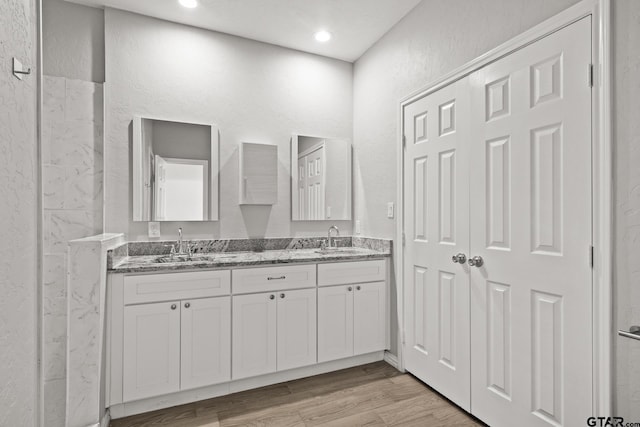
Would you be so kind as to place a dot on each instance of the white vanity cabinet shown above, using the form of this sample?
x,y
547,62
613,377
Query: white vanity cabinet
x,y
169,332
178,337
274,330
175,345
352,317
151,358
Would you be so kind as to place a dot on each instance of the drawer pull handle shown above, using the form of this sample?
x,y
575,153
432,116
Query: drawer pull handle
x,y
187,304
277,278
281,295
349,288
173,306
272,296
358,288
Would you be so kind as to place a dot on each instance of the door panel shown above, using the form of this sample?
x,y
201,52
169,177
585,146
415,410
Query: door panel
x,y
437,227
530,221
151,358
205,342
296,329
369,315
254,335
335,322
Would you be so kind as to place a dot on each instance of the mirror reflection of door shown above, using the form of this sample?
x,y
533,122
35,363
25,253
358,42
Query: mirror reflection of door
x,y
320,178
181,190
313,185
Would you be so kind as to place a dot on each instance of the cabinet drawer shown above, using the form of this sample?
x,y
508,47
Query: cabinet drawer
x,y
266,279
176,286
341,273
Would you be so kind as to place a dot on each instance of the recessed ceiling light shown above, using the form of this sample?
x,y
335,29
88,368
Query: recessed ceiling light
x,y
322,36
189,3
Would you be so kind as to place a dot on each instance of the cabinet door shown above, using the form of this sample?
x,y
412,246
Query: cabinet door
x,y
258,174
369,314
335,322
205,342
151,364
296,328
254,335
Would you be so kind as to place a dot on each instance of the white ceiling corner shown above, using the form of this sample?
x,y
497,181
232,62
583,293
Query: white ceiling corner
x,y
355,24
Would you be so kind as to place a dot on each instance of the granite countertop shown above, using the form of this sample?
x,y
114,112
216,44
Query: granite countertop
x,y
162,262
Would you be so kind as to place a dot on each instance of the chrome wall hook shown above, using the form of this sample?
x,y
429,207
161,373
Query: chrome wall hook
x,y
18,70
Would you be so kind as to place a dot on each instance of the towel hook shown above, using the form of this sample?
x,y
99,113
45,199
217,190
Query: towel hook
x,y
18,70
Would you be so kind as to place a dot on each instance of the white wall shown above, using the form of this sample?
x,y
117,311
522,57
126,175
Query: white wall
x,y
254,92
626,113
73,41
433,39
18,215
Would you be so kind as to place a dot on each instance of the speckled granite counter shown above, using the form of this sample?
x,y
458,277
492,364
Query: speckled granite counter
x,y
143,257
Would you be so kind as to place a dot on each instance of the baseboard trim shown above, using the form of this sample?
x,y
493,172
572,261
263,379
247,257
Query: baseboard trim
x,y
106,419
392,360
122,410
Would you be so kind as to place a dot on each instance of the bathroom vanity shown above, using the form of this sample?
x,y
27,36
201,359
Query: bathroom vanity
x,y
185,329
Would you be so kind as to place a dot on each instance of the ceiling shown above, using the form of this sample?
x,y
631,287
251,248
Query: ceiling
x,y
355,24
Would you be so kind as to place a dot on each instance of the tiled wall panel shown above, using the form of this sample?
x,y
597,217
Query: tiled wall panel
x,y
72,148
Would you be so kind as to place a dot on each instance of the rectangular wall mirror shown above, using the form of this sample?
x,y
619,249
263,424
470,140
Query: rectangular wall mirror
x,y
175,171
320,178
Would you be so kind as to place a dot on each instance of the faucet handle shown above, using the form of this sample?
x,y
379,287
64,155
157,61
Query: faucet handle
x,y
323,244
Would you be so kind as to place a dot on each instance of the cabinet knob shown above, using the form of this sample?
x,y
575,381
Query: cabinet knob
x,y
173,306
187,304
349,288
281,295
272,296
358,288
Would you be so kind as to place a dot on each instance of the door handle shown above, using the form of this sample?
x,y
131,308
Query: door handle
x,y
633,333
476,261
459,258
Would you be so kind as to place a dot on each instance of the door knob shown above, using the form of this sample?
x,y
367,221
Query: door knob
x,y
476,261
459,258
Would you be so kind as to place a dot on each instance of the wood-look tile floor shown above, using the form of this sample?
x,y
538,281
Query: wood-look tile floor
x,y
370,395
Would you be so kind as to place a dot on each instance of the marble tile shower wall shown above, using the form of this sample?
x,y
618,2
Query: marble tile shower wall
x,y
72,152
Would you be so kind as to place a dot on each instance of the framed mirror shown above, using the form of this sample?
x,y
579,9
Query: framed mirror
x,y
321,178
175,170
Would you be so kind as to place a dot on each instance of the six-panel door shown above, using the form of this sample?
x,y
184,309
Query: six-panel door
x,y
151,360
254,335
205,342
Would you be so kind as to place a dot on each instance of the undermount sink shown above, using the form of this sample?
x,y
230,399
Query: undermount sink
x,y
176,258
194,257
337,251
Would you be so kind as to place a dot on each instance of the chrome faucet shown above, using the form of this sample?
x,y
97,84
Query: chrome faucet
x,y
330,241
180,248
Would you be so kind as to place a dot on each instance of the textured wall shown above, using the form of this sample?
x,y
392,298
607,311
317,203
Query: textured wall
x,y
626,110
18,215
73,40
253,91
72,208
433,39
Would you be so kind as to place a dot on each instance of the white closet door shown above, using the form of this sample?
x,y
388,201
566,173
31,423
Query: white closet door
x,y
437,228
531,223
